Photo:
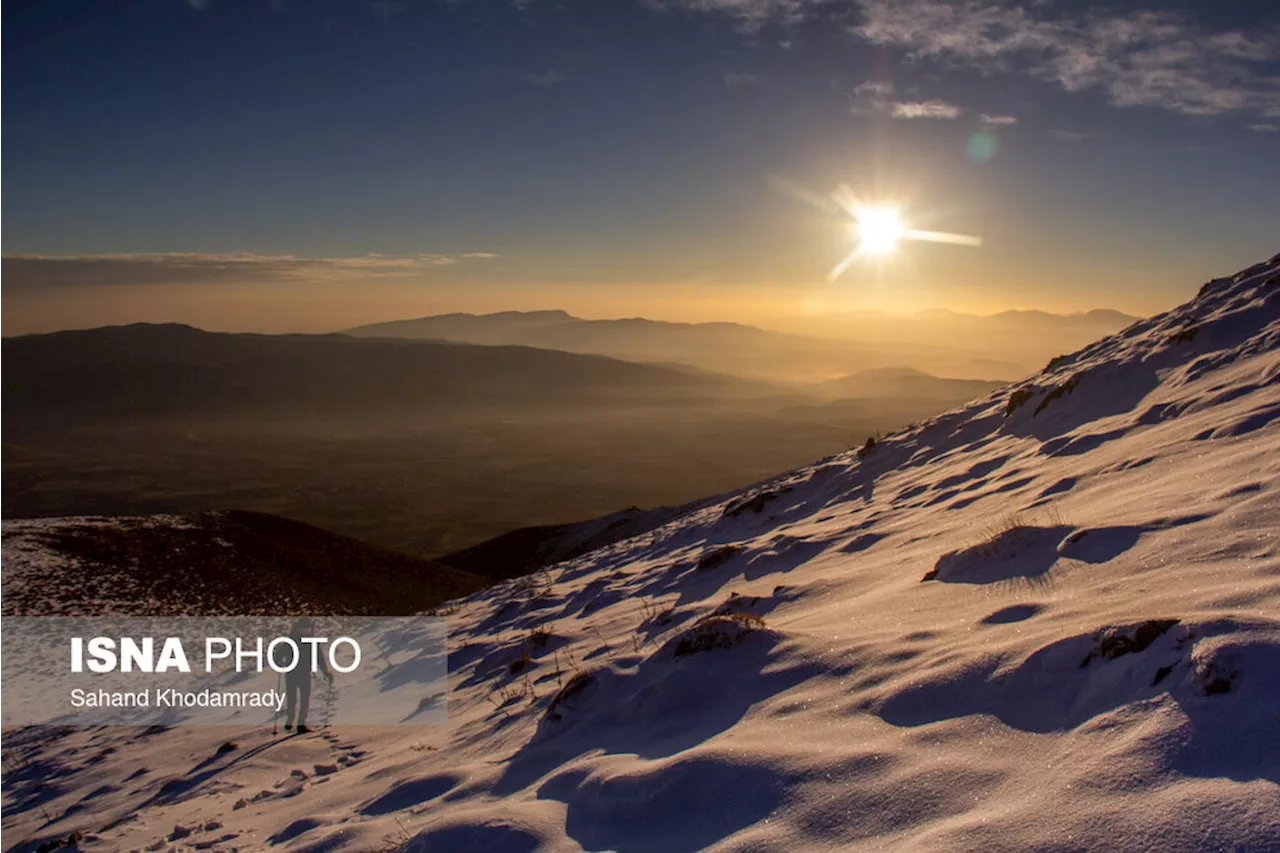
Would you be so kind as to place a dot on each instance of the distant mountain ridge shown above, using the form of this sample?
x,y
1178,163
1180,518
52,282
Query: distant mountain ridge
x,y
722,347
171,370
904,382
1029,331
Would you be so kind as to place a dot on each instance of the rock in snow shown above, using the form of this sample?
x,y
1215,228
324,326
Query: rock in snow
x,y
1091,663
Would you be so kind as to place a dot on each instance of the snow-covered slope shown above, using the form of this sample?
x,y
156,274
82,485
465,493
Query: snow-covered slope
x,y
1049,620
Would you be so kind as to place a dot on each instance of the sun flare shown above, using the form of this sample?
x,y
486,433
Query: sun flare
x,y
878,229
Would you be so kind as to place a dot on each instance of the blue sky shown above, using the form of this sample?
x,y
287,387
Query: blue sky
x,y
321,159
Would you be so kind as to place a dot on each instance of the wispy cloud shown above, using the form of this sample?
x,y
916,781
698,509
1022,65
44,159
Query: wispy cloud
x,y
874,91
925,109
876,96
1265,127
1136,58
998,120
1151,59
551,77
29,270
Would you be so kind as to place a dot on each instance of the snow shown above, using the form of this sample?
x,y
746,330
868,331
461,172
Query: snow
x,y
1093,662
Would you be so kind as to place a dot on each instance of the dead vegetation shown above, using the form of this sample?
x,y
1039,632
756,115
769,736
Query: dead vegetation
x,y
1056,362
717,556
1058,391
717,631
1113,642
537,584
654,614
752,503
534,641
1001,539
574,687
1016,399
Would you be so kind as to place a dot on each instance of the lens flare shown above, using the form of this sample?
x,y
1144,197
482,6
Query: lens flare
x,y
878,229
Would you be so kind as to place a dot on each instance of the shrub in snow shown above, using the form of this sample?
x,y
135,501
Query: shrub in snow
x,y
1016,399
1217,662
536,640
752,503
1012,549
573,687
654,614
718,631
1060,391
1127,639
717,556
71,840
1056,361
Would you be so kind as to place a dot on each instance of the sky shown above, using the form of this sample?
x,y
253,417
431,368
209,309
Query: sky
x,y
309,165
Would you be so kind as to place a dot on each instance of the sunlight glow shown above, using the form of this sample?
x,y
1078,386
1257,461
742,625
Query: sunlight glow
x,y
878,229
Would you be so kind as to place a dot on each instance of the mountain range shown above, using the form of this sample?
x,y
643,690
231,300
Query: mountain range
x,y
176,371
960,350
428,447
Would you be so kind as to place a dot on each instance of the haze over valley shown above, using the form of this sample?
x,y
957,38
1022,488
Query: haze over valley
x,y
435,435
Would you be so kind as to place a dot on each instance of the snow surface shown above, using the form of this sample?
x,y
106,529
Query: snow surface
x,y
773,672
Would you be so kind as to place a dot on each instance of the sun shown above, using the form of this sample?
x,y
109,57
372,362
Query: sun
x,y
878,229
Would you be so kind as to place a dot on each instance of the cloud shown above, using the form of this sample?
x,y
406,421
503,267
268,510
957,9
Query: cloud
x,y
38,271
551,77
1147,59
870,97
878,90
924,109
998,120
198,5
1137,58
874,96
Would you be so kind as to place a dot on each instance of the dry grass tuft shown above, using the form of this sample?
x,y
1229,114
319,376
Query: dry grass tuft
x,y
572,688
717,557
717,631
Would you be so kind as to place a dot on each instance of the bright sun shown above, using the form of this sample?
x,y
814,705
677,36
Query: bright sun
x,y
878,229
